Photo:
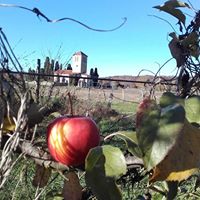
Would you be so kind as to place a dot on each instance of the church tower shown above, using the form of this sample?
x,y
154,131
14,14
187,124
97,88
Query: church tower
x,y
79,62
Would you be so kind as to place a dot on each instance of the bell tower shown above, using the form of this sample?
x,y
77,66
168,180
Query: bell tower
x,y
79,62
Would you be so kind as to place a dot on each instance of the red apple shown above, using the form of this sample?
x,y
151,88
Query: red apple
x,y
70,138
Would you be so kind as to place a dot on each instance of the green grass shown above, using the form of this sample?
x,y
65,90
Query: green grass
x,y
124,107
19,184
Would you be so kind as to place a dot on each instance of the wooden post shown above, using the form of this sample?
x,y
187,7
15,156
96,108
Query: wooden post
x,y
38,81
123,95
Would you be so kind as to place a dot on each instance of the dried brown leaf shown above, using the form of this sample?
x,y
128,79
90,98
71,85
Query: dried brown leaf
x,y
42,176
176,52
72,189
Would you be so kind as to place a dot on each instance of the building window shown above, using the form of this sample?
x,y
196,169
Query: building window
x,y
76,58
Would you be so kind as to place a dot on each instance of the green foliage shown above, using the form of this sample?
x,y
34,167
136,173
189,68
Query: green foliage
x,y
103,166
192,107
130,139
124,107
168,99
113,125
19,184
101,111
158,133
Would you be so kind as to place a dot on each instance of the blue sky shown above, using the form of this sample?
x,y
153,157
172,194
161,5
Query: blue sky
x,y
142,43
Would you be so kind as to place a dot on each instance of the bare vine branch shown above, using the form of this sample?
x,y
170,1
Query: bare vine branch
x,y
164,21
40,14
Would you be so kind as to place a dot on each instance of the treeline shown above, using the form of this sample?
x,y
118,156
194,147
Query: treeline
x,y
49,66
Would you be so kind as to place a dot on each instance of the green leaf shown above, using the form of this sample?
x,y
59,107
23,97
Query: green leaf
x,y
192,108
54,195
104,164
182,159
171,6
158,133
130,139
169,98
55,198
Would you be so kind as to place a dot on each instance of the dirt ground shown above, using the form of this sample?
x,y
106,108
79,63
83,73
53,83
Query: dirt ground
x,y
128,94
97,94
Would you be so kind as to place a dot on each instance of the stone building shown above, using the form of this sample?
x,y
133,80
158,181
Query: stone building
x,y
78,70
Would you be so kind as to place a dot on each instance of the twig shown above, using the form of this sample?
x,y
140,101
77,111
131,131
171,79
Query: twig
x,y
6,162
192,6
164,21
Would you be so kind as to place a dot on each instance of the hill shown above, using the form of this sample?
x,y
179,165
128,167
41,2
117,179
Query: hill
x,y
146,78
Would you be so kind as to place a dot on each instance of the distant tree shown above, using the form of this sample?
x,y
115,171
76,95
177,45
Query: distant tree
x,y
52,65
91,72
95,77
47,67
91,76
61,66
69,67
57,66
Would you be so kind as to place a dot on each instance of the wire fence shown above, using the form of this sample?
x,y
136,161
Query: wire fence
x,y
112,92
162,82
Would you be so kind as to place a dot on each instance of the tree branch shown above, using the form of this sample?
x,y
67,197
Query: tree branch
x,y
40,156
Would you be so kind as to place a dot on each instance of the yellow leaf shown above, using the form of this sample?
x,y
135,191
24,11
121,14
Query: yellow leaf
x,y
183,159
8,124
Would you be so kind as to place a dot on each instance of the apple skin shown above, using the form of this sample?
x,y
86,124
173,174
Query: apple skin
x,y
70,138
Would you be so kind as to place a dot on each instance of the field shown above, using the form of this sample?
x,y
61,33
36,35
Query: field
x,y
98,94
